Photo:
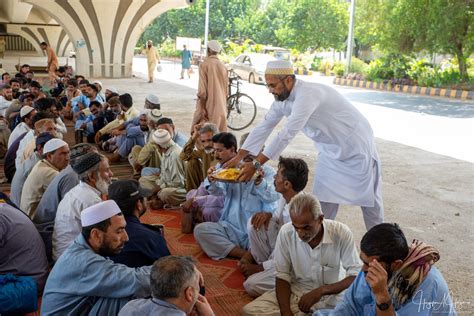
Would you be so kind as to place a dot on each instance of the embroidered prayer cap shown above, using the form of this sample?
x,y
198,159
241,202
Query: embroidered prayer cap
x,y
99,212
79,150
99,83
43,138
53,144
279,67
25,110
214,46
153,99
39,124
85,162
162,138
155,115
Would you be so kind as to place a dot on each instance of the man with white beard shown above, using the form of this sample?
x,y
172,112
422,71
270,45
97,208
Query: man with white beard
x,y
94,175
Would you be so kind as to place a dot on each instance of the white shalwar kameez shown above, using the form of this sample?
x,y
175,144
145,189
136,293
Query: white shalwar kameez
x,y
348,169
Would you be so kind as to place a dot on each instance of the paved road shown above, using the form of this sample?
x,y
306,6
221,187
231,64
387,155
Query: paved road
x,y
438,125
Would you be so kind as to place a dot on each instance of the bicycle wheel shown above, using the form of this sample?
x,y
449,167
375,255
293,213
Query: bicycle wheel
x,y
241,111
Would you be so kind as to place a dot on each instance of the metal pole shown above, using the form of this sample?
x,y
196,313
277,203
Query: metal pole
x,y
206,28
350,37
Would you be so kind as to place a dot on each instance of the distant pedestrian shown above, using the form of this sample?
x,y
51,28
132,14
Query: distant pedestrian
x,y
153,58
212,90
186,57
53,63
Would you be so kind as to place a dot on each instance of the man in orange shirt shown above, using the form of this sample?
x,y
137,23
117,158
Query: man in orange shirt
x,y
52,63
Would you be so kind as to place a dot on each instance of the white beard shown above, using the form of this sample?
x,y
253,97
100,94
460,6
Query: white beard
x,y
102,186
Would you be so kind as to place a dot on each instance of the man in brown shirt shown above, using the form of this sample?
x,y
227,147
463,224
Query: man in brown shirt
x,y
52,63
212,91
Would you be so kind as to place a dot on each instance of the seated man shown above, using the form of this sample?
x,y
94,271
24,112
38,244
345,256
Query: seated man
x,y
229,237
55,158
198,154
135,133
150,156
26,125
396,279
146,243
84,281
94,175
85,122
169,187
315,261
146,155
57,189
89,94
128,112
263,228
200,201
175,283
21,249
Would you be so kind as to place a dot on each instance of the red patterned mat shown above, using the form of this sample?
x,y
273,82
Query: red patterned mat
x,y
223,279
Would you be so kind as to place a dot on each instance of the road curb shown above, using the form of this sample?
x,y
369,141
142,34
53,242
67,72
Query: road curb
x,y
427,91
303,72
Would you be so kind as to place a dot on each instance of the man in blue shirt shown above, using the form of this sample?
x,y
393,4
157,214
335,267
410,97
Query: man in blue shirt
x,y
229,236
146,243
395,279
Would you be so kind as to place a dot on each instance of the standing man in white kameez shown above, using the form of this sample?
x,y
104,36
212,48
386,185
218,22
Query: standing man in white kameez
x,y
348,170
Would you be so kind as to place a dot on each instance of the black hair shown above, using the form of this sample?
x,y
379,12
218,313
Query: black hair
x,y
84,81
35,84
72,82
14,80
126,100
93,87
19,75
62,69
41,115
96,103
385,241
295,171
164,120
5,73
113,94
226,139
44,44
43,104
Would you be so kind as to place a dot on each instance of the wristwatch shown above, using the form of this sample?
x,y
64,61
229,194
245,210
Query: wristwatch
x,y
256,164
384,306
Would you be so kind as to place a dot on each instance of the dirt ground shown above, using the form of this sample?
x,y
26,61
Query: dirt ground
x,y
428,195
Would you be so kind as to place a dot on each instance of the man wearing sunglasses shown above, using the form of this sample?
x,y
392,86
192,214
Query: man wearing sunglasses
x,y
348,163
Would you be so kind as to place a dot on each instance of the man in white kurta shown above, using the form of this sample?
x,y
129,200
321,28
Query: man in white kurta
x,y
263,227
315,261
94,174
348,170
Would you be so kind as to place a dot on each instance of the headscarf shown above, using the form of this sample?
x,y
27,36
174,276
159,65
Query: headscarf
x,y
415,268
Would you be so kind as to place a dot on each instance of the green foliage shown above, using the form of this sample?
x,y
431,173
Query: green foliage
x,y
316,63
325,67
358,66
338,68
168,49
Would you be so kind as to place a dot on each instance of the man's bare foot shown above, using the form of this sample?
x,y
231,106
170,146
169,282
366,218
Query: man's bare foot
x,y
248,269
155,204
187,206
246,258
115,157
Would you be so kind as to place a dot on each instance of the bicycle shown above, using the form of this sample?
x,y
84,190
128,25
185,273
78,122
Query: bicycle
x,y
241,108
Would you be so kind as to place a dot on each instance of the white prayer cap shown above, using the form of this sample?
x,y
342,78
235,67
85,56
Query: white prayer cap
x,y
25,110
53,144
152,99
98,82
214,45
99,212
154,115
162,137
279,67
143,112
112,89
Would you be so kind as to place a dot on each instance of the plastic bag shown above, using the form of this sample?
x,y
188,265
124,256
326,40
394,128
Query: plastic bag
x,y
159,68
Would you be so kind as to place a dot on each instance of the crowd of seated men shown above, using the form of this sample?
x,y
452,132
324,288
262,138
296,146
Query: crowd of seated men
x,y
71,234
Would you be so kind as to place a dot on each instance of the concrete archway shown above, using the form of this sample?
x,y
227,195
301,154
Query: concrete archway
x,y
54,35
104,32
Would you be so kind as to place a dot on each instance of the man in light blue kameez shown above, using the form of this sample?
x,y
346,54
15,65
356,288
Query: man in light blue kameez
x,y
229,236
395,279
84,281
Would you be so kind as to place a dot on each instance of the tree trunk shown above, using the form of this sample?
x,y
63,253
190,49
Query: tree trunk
x,y
462,64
